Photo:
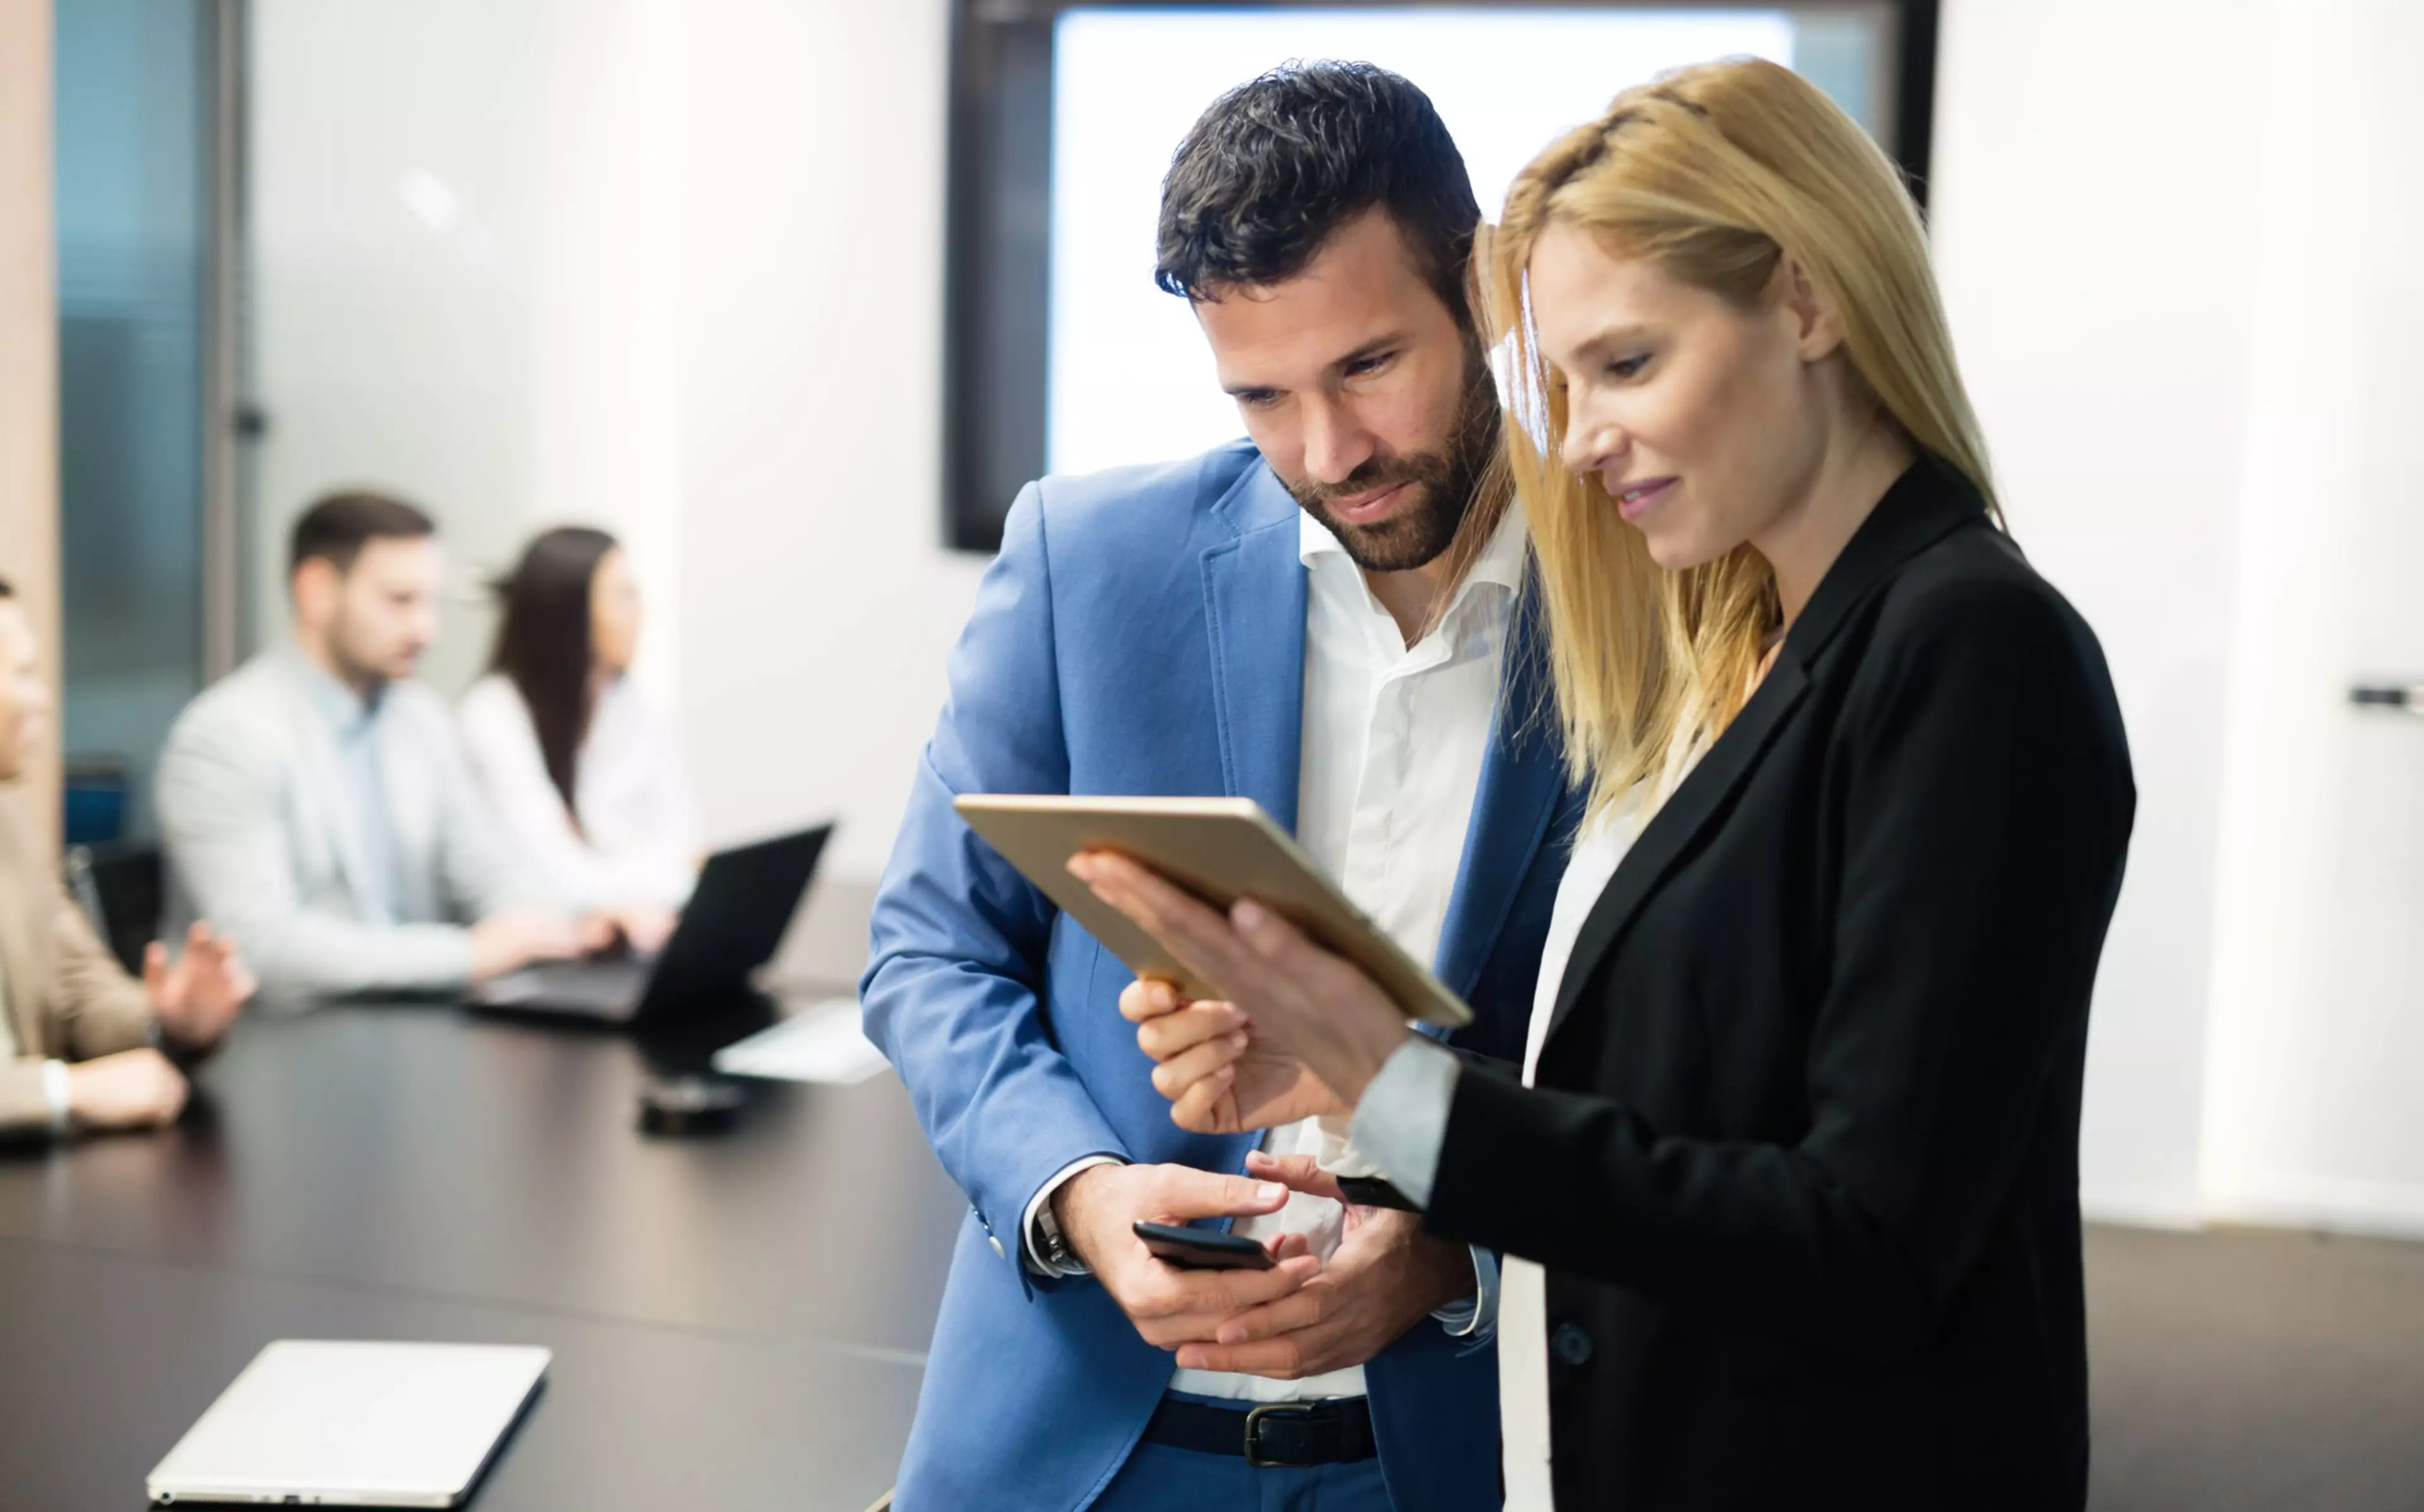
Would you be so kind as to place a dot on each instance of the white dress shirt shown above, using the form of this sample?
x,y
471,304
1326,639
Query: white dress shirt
x,y
354,724
1388,769
637,841
1390,762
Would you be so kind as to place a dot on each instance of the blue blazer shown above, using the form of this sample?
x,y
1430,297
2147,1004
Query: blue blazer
x,y
1142,632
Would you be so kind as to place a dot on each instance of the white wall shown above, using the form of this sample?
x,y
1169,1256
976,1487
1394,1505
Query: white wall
x,y
2085,154
397,176
2175,241
2313,1115
463,248
818,600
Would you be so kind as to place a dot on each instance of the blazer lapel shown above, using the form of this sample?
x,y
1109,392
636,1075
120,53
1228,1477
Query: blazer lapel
x,y
1253,613
1253,621
1522,777
1695,801
1927,502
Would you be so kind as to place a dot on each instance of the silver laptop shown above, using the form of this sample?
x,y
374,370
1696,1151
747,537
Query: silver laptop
x,y
328,1422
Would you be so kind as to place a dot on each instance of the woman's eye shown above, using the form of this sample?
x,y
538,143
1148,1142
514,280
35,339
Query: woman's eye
x,y
1626,367
1366,366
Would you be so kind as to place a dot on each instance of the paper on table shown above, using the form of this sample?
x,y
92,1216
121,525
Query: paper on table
x,y
821,1043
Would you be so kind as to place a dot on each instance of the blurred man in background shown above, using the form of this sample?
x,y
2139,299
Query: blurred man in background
x,y
82,1043
317,801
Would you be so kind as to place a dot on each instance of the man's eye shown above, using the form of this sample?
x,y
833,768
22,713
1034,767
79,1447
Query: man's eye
x,y
1363,366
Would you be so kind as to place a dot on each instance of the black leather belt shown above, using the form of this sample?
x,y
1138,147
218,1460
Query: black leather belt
x,y
1286,1435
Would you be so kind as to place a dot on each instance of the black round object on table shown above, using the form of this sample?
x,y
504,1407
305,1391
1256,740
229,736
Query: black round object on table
x,y
676,1107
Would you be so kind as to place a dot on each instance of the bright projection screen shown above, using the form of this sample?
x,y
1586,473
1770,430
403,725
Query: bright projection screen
x,y
1126,376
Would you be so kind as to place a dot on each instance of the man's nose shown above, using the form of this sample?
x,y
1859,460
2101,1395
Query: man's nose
x,y
1335,443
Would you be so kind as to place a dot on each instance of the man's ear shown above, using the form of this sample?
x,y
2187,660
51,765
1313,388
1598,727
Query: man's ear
x,y
316,586
1818,328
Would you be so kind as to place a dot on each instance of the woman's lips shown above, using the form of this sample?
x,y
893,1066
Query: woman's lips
x,y
1636,498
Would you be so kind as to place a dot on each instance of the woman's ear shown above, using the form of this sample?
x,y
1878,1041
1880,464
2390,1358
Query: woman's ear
x,y
1818,330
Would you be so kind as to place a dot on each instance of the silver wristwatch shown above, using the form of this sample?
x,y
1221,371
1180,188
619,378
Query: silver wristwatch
x,y
1054,1246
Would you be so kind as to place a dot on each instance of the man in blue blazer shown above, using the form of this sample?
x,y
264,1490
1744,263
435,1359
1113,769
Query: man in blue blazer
x,y
1327,619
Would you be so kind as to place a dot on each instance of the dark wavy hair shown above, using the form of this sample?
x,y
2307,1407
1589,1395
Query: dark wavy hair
x,y
1278,164
543,645
337,526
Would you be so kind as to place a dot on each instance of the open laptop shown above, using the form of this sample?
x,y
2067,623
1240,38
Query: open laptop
x,y
325,1421
733,923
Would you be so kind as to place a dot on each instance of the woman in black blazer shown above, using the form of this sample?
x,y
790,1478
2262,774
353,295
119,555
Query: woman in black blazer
x,y
1799,1148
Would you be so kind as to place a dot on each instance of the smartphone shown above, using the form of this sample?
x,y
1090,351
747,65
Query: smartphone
x,y
1375,1191
1202,1249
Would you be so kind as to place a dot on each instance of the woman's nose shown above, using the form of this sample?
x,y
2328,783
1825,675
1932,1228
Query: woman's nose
x,y
1589,443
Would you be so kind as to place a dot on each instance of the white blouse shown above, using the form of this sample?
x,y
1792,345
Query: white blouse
x,y
1522,1295
637,840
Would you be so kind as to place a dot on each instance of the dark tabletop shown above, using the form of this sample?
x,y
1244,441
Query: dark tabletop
x,y
737,1320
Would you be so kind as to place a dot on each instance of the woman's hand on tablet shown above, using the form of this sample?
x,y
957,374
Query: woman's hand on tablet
x,y
1299,1000
1219,1077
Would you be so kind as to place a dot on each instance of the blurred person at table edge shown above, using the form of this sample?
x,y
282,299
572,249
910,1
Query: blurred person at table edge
x,y
84,1046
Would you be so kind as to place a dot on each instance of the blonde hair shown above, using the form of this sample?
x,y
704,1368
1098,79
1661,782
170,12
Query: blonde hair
x,y
1716,173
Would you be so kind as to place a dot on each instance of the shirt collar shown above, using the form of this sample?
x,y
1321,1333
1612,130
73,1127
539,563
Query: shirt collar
x,y
346,710
1313,540
1502,561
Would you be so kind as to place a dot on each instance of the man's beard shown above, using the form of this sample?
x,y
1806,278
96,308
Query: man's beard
x,y
1443,484
371,677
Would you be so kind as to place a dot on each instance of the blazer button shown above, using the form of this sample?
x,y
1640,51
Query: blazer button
x,y
1570,1343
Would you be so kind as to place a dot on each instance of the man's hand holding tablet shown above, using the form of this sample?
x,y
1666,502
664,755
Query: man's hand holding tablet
x,y
1219,1077
1300,1002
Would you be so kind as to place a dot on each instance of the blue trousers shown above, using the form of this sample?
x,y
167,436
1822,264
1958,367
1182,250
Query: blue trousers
x,y
1158,1478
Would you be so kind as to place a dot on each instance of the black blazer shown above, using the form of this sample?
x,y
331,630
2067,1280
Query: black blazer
x,y
1804,1163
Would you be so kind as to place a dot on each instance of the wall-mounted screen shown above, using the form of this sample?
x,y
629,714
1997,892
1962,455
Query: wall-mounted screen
x,y
1064,357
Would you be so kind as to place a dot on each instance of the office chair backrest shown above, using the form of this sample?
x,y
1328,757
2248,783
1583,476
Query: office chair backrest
x,y
120,889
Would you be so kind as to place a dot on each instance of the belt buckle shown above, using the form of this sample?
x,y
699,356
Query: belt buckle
x,y
1303,1412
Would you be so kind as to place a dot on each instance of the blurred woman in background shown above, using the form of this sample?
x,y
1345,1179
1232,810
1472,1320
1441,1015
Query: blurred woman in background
x,y
584,777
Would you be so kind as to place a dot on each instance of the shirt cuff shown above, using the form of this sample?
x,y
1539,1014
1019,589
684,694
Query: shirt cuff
x,y
1031,1242
56,1092
1477,1316
1402,1119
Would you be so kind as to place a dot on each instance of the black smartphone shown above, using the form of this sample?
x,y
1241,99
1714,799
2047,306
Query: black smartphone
x,y
1375,1191
1202,1249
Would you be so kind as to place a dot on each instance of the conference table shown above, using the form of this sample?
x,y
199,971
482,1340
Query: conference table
x,y
739,1318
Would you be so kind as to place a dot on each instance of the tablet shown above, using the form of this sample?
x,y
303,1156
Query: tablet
x,y
1219,848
